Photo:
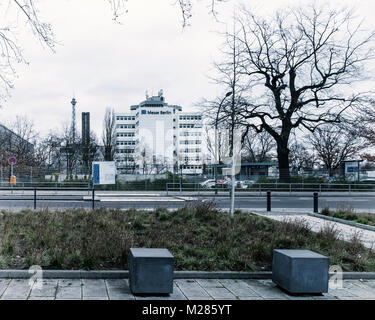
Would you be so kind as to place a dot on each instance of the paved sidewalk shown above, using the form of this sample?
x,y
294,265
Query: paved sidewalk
x,y
183,289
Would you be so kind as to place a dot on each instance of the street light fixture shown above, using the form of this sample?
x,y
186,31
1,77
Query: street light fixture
x,y
216,142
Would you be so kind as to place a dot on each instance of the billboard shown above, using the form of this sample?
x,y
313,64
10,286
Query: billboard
x,y
104,172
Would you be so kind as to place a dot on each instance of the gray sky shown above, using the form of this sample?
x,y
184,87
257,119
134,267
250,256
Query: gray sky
x,y
109,65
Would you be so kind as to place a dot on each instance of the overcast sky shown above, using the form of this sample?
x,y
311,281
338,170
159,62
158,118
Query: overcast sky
x,y
109,65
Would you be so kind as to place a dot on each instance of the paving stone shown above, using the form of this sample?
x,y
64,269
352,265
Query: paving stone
x,y
95,298
113,283
48,289
239,288
362,291
209,283
200,298
191,289
70,282
17,289
266,289
41,298
250,298
69,292
120,293
94,288
220,293
341,293
176,295
3,285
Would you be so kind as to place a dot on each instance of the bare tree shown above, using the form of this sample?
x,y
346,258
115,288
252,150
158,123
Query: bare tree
x,y
334,144
300,66
301,157
109,134
258,147
363,122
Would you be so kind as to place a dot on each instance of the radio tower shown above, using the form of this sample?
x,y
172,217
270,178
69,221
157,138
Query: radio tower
x,y
73,102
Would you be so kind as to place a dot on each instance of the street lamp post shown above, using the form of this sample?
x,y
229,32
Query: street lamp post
x,y
216,140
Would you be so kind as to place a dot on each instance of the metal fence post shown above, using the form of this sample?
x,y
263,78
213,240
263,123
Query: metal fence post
x,y
316,210
93,196
34,198
268,200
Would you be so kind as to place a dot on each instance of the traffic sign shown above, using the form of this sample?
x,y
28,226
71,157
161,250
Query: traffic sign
x,y
12,161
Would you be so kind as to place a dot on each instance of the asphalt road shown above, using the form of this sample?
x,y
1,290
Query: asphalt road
x,y
279,203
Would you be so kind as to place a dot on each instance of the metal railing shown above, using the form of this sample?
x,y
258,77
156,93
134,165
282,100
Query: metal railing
x,y
33,195
47,184
280,187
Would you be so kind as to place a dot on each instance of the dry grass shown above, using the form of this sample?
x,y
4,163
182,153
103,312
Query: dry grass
x,y
199,236
348,213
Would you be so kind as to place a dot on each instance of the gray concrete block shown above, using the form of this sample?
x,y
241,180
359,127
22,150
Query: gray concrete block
x,y
150,271
300,271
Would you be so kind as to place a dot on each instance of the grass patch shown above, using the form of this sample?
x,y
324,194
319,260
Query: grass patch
x,y
199,236
348,213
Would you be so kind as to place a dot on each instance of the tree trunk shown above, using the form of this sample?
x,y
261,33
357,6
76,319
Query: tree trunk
x,y
107,153
283,158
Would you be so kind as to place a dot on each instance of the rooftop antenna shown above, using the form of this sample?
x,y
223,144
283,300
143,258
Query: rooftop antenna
x,y
146,94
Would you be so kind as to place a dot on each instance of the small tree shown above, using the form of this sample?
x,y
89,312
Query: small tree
x,y
334,144
109,135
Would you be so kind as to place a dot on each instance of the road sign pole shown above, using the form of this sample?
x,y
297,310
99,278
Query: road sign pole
x,y
11,176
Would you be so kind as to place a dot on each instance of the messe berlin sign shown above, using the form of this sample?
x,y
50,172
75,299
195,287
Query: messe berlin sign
x,y
104,172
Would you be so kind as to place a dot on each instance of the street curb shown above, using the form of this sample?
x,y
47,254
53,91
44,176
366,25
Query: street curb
x,y
124,274
343,221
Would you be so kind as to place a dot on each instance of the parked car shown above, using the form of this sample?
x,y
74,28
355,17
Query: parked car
x,y
207,183
247,184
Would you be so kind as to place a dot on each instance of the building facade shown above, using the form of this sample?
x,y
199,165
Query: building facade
x,y
155,137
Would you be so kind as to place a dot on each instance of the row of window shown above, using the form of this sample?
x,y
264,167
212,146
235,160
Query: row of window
x,y
190,142
190,134
125,143
125,150
191,167
187,159
190,117
125,126
125,118
125,134
190,125
129,159
190,150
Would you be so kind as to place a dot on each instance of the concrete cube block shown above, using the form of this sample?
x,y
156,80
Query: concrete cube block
x,y
150,271
300,271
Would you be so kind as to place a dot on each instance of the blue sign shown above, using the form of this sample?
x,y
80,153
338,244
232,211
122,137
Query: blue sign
x,y
143,112
352,169
95,173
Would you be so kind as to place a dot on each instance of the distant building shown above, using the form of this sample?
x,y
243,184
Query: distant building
x,y
155,137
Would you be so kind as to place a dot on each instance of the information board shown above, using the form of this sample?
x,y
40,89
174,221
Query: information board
x,y
104,172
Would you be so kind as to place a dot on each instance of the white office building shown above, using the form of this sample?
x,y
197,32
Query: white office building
x,y
155,137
